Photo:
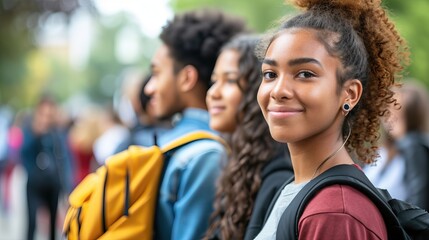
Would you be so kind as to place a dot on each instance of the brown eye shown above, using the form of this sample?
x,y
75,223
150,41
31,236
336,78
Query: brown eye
x,y
269,75
305,74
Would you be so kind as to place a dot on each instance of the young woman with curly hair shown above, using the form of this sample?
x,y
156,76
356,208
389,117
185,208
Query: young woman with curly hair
x,y
327,78
257,166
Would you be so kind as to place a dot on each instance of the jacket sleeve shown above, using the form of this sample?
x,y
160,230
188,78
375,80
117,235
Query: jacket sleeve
x,y
416,170
341,212
196,195
325,226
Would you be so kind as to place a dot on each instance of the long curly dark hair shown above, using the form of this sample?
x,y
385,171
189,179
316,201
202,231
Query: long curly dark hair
x,y
251,147
360,34
196,37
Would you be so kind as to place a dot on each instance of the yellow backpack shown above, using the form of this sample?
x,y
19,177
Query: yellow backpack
x,y
118,201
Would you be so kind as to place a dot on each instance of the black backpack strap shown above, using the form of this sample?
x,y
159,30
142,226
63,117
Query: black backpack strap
x,y
341,174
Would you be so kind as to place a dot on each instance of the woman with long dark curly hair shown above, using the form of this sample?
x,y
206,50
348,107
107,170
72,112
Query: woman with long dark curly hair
x,y
327,78
257,165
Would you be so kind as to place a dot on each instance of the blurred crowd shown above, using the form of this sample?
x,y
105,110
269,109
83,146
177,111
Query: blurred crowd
x,y
58,150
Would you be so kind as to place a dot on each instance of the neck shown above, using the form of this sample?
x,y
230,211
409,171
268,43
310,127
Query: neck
x,y
195,98
317,154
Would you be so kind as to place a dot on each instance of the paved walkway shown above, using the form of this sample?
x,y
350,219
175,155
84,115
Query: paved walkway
x,y
13,223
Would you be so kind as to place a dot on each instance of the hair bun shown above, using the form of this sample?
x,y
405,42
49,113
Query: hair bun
x,y
342,4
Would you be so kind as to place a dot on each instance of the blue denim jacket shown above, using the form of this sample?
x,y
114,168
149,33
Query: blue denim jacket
x,y
188,187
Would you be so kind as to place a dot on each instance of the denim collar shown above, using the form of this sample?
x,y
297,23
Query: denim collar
x,y
191,114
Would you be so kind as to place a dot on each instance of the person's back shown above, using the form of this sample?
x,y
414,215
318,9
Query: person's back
x,y
181,71
410,132
44,155
147,128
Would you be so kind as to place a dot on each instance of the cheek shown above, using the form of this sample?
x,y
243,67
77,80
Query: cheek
x,y
235,100
319,101
263,97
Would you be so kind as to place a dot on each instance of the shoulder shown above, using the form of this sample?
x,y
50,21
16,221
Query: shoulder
x,y
204,149
343,204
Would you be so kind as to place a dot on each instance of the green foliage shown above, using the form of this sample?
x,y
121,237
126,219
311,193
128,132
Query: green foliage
x,y
103,70
19,23
412,20
26,70
411,17
259,14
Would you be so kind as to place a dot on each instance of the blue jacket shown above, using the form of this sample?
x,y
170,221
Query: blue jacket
x,y
188,187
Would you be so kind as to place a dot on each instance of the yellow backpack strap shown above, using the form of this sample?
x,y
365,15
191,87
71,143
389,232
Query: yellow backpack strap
x,y
192,136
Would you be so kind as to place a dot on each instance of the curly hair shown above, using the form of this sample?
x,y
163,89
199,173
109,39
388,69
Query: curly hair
x,y
360,34
251,148
195,38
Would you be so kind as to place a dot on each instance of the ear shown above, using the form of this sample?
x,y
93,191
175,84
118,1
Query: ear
x,y
352,92
188,78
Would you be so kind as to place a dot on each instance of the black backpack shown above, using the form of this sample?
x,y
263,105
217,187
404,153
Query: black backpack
x,y
402,220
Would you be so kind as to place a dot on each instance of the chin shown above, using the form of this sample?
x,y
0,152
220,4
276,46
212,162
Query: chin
x,y
216,127
223,128
279,136
279,139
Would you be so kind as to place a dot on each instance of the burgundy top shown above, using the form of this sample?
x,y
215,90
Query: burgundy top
x,y
341,212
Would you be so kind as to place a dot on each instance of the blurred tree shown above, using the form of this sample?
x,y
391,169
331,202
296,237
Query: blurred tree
x,y
20,21
104,68
412,19
259,14
25,69
410,16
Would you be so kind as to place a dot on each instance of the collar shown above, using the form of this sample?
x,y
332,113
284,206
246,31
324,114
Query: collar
x,y
195,114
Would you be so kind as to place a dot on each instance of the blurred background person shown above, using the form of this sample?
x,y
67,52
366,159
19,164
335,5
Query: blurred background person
x,y
389,170
147,127
5,122
13,145
112,133
83,135
403,167
43,156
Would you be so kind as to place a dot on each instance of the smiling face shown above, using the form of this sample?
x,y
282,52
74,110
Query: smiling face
x,y
298,93
162,86
224,96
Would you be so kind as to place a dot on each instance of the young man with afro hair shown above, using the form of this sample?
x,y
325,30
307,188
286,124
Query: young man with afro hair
x,y
182,68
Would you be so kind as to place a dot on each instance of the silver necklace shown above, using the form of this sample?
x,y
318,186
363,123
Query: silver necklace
x,y
332,154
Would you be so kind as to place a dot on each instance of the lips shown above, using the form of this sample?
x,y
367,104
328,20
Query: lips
x,y
216,110
283,111
152,102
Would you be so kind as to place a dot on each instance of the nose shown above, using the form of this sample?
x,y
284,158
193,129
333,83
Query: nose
x,y
282,89
214,91
149,89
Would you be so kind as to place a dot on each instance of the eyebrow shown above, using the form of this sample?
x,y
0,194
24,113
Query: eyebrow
x,y
269,61
226,73
292,62
299,61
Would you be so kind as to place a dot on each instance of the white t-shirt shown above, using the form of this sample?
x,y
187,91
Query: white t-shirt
x,y
288,193
106,145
